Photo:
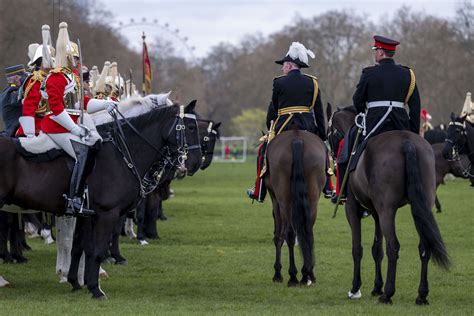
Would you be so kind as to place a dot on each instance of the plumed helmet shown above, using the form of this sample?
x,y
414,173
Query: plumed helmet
x,y
64,50
298,54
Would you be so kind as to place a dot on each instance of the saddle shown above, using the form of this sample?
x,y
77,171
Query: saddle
x,y
38,149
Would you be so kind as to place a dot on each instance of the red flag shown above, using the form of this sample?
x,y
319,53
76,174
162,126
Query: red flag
x,y
147,74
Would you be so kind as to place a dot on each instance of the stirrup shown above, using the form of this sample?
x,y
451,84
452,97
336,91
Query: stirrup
x,y
75,207
334,199
251,195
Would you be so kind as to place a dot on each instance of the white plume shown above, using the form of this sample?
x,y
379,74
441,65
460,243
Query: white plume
x,y
467,108
298,51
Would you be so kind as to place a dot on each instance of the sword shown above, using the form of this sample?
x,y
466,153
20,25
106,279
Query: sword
x,y
130,85
81,89
346,175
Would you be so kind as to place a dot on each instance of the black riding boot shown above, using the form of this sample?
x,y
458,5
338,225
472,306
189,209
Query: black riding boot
x,y
85,156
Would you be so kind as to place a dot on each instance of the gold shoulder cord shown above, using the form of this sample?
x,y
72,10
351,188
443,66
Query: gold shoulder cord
x,y
315,93
412,86
38,76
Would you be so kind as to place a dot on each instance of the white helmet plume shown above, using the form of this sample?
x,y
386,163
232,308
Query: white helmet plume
x,y
298,51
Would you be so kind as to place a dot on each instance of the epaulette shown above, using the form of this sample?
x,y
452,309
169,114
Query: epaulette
x,y
312,77
64,70
369,68
36,76
278,77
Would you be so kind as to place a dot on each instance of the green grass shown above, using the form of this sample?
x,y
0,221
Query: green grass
x,y
216,257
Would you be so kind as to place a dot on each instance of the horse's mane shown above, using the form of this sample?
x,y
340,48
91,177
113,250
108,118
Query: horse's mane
x,y
134,106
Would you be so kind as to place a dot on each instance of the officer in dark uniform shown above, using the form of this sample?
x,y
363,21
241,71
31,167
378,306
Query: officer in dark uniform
x,y
10,104
296,104
383,93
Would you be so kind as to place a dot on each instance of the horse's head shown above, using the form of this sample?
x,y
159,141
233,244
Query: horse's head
x,y
186,139
339,123
209,132
456,138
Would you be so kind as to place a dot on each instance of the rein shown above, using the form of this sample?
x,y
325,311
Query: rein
x,y
153,175
456,150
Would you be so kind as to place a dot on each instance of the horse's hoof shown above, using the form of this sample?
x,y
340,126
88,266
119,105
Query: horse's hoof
x,y
102,297
354,296
376,292
98,295
76,288
143,242
438,211
277,279
306,282
383,299
422,301
293,282
122,262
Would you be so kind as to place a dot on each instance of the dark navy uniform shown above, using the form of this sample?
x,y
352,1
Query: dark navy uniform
x,y
387,82
296,90
11,109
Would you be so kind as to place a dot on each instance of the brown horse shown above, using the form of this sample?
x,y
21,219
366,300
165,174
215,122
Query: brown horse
x,y
396,168
295,179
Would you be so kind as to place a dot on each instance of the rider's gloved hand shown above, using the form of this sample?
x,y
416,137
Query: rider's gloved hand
x,y
80,131
111,106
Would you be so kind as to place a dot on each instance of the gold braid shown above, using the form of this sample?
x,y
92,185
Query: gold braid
x,y
411,88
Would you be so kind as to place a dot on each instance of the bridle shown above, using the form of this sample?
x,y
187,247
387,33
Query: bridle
x,y
169,159
456,149
206,145
334,135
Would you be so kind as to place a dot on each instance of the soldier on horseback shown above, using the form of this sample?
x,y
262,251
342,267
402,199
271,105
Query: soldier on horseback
x,y
34,106
383,92
296,104
10,105
67,124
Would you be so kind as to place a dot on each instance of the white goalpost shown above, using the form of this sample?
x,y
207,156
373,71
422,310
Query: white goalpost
x,y
231,149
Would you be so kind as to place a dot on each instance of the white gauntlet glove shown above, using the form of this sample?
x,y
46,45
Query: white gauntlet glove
x,y
80,130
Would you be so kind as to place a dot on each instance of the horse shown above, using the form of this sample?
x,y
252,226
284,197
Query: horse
x,y
445,166
115,184
436,135
396,168
459,141
295,178
147,212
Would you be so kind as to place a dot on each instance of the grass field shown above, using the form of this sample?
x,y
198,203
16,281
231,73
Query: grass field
x,y
216,256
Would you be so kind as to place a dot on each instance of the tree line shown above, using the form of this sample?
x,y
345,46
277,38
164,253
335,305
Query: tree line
x,y
234,80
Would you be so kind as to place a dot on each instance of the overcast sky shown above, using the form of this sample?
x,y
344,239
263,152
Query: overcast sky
x,y
208,22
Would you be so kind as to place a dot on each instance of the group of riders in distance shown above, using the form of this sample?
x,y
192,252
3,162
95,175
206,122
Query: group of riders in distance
x,y
84,144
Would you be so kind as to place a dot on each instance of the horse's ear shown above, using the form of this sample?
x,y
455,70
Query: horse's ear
x,y
217,125
190,107
453,117
328,111
339,108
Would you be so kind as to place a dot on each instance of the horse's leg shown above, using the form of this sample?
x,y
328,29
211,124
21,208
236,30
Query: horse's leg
x,y
141,220
15,240
438,205
102,229
377,254
277,240
4,231
152,207
292,270
74,247
387,224
115,244
357,250
423,289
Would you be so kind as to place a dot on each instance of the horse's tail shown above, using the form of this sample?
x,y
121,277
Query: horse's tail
x,y
301,212
424,220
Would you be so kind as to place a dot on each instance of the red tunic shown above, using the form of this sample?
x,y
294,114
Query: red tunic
x,y
30,105
55,86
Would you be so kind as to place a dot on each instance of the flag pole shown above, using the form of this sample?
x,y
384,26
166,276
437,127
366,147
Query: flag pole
x,y
143,63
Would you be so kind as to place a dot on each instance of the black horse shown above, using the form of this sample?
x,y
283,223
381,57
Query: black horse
x,y
460,141
114,184
148,210
410,178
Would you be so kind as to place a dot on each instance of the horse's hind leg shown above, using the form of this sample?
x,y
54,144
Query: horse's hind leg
x,y
115,244
277,240
423,289
377,254
437,204
292,270
387,224
357,250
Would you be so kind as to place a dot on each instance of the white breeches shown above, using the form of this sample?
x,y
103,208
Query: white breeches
x,y
63,140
